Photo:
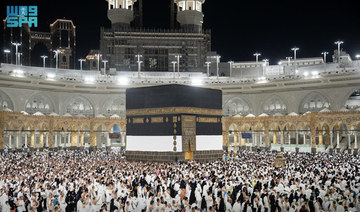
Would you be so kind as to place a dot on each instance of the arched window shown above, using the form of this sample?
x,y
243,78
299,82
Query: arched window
x,y
79,105
314,102
236,106
5,102
275,105
353,101
114,106
39,103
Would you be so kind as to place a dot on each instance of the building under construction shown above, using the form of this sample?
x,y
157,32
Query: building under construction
x,y
185,44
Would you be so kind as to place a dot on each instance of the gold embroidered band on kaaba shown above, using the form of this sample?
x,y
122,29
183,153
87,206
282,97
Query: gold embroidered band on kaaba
x,y
174,110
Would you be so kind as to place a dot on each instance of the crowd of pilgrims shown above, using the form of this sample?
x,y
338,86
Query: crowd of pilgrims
x,y
245,181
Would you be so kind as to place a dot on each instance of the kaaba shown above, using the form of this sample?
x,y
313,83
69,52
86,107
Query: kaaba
x,y
173,122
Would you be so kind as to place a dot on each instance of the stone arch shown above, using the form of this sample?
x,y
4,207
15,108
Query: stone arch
x,y
353,100
275,104
5,101
79,105
246,127
114,106
314,102
39,102
236,106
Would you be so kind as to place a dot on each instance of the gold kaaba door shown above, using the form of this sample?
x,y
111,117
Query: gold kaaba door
x,y
188,125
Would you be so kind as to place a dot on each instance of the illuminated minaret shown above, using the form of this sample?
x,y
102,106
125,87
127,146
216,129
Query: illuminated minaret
x,y
120,12
190,14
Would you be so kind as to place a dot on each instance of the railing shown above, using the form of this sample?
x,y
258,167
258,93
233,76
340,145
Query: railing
x,y
145,77
130,30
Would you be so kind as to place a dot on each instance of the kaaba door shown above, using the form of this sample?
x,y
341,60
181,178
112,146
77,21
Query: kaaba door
x,y
188,124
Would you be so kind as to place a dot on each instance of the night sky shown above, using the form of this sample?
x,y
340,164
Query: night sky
x,y
239,28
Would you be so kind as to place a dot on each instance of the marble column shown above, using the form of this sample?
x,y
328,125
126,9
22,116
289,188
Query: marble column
x,y
47,140
243,142
56,140
282,141
32,139
25,140
289,137
313,140
108,140
331,149
68,142
50,139
274,137
60,140
81,139
17,140
10,141
93,140
320,138
74,139
1,140
235,141
123,139
267,140
254,140
41,143
356,144
338,142
349,143
297,141
304,138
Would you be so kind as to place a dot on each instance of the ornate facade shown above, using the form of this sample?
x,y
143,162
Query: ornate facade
x,y
23,131
323,131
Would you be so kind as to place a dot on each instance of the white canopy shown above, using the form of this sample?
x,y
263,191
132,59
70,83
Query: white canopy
x,y
53,114
115,116
67,115
293,114
325,110
38,114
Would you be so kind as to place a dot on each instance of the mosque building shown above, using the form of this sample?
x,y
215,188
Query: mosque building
x,y
299,104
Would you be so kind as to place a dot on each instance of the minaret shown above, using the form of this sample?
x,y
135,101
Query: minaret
x,y
190,14
120,13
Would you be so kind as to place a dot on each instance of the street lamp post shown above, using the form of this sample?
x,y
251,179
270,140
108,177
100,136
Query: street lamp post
x,y
16,52
7,52
295,49
57,51
265,64
138,56
174,66
208,68
81,61
19,57
324,54
105,61
178,62
217,65
98,59
289,60
339,42
257,56
231,63
44,60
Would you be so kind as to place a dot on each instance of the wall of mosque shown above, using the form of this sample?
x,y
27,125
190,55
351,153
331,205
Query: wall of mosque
x,y
92,105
